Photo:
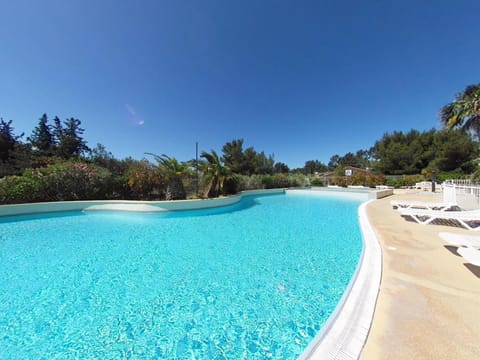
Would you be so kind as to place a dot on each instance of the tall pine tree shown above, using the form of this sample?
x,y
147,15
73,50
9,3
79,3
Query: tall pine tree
x,y
42,139
7,139
69,141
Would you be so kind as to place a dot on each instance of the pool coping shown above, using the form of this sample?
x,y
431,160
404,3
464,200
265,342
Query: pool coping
x,y
344,334
129,205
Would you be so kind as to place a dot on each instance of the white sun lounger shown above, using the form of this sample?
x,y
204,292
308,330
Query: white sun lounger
x,y
440,206
470,254
460,239
468,219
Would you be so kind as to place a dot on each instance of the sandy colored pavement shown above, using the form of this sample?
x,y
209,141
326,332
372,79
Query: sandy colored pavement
x,y
429,301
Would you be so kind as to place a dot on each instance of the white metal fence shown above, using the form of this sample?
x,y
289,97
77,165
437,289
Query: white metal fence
x,y
461,182
462,192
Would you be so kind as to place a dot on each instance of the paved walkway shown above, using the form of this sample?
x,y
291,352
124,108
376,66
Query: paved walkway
x,y
429,301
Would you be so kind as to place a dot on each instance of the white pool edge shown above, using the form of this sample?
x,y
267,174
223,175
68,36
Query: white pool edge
x,y
129,205
346,331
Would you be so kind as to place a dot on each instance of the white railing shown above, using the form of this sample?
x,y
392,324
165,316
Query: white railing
x,y
463,193
461,182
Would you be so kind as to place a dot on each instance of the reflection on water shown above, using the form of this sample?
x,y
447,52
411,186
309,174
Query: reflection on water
x,y
28,217
246,203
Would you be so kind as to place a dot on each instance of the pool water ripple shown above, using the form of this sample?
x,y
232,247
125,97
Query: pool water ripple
x,y
254,282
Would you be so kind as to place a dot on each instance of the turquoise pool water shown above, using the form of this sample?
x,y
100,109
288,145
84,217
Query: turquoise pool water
x,y
254,280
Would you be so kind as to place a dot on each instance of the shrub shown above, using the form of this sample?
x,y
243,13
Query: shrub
x,y
275,181
20,189
409,180
64,180
475,177
74,181
317,182
252,182
231,185
358,178
285,181
441,177
299,180
338,180
374,180
144,182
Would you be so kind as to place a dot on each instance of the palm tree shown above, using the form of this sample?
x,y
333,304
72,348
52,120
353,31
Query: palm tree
x,y
173,171
215,173
464,112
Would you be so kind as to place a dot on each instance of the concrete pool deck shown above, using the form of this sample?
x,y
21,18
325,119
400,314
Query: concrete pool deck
x,y
428,305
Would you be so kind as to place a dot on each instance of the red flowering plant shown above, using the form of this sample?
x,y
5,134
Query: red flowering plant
x,y
70,180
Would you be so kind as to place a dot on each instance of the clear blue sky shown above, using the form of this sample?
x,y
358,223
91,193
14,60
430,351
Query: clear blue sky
x,y
300,79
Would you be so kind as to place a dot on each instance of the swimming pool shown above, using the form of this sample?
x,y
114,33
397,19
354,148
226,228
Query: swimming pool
x,y
257,279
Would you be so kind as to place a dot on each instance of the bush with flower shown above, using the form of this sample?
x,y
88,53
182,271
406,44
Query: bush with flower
x,y
63,180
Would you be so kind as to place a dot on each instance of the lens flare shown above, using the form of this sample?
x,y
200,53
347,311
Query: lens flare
x,y
135,118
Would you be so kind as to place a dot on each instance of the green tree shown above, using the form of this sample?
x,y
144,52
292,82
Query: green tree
x,y
349,159
281,168
215,174
248,161
361,159
334,162
57,132
399,153
411,153
7,139
118,168
310,167
69,140
143,180
314,166
15,156
264,163
464,112
422,147
42,140
251,162
100,156
454,150
233,156
172,171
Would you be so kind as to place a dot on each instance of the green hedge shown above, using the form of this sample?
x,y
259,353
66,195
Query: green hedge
x,y
58,182
406,181
275,181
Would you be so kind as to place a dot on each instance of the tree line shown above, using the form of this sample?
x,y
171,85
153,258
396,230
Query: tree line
x,y
61,139
454,148
55,163
409,153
